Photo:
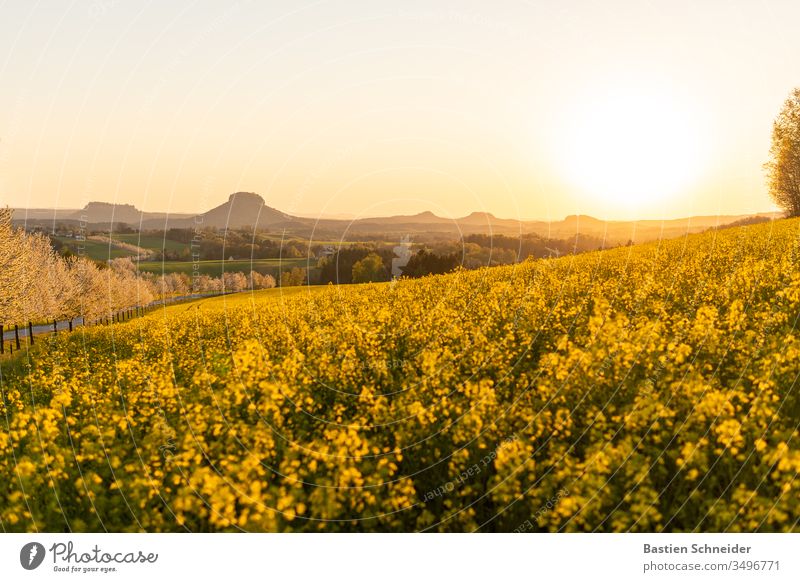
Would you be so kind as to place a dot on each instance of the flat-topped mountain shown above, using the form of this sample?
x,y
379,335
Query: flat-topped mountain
x,y
243,209
97,212
426,217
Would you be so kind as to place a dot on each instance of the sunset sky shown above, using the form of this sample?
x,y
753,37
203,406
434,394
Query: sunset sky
x,y
617,109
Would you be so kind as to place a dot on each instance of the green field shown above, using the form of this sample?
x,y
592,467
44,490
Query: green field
x,y
97,251
151,242
216,268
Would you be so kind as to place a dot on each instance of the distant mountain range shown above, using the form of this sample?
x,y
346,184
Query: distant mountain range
x,y
96,213
249,210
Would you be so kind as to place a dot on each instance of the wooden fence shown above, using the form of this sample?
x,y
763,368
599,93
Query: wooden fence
x,y
16,343
67,326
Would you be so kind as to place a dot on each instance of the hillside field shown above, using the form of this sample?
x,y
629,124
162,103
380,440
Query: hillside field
x,y
95,250
151,242
644,388
216,268
249,299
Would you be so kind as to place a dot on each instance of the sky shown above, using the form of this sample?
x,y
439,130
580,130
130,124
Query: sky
x,y
526,109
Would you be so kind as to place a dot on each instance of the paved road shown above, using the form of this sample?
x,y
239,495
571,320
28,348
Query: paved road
x,y
78,321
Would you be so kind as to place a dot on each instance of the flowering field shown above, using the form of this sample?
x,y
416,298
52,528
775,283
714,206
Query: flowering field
x,y
644,388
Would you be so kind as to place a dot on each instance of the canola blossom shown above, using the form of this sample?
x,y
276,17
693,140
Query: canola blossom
x,y
644,388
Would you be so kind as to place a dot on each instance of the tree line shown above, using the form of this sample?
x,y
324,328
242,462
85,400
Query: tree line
x,y
373,263
40,284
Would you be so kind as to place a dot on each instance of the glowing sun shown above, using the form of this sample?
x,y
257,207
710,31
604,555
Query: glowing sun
x,y
630,149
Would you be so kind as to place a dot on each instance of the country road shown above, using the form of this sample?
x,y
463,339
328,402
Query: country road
x,y
8,332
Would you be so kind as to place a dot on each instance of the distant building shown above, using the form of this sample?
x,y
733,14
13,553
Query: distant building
x,y
327,251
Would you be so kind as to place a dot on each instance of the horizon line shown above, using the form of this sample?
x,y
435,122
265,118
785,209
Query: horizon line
x,y
776,212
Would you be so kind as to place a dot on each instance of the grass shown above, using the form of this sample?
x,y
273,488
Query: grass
x,y
13,365
151,242
216,268
97,251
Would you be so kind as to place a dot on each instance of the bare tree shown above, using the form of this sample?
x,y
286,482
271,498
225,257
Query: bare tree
x,y
783,167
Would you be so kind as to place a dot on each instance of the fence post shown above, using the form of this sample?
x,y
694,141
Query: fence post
x,y
16,334
30,332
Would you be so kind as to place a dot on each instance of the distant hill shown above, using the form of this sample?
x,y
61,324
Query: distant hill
x,y
426,217
482,218
106,212
244,209
249,210
97,213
